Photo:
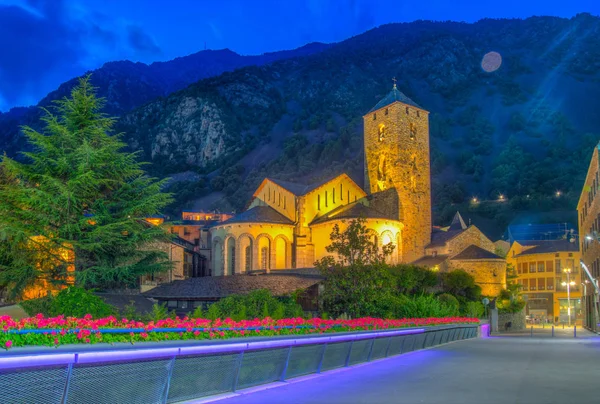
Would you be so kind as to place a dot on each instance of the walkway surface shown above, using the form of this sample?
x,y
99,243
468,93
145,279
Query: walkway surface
x,y
503,369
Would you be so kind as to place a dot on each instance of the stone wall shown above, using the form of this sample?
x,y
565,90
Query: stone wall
x,y
396,139
517,320
490,275
471,236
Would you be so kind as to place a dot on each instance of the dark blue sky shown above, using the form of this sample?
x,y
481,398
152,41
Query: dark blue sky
x,y
45,42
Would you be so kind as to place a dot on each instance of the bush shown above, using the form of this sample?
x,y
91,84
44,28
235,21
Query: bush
x,y
256,304
37,306
159,312
77,302
473,309
450,302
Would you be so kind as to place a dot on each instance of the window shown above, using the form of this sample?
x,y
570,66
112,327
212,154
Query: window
x,y
525,271
248,258
386,111
418,114
406,110
532,267
333,195
348,197
374,116
264,252
549,266
519,267
571,265
557,255
341,193
571,254
172,304
541,283
550,283
279,202
413,130
557,266
540,266
381,132
525,284
182,304
326,199
319,202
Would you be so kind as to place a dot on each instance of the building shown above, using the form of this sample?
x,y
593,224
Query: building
x,y
459,246
542,267
588,209
287,225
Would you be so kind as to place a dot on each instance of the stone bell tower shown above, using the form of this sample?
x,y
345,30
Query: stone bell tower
x,y
396,135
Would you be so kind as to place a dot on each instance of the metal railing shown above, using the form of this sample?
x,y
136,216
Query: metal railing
x,y
179,373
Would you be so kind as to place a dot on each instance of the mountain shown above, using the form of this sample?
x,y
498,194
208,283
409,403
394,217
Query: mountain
x,y
127,85
525,130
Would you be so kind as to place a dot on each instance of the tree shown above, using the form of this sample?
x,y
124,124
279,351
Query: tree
x,y
357,245
79,199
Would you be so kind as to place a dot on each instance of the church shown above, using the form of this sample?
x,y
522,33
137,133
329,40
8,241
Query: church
x,y
287,225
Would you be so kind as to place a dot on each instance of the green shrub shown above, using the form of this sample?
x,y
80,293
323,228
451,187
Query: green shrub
x,y
77,302
197,312
450,302
129,312
473,309
159,312
37,306
213,312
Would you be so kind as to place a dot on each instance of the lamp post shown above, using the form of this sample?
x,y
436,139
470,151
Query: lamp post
x,y
568,284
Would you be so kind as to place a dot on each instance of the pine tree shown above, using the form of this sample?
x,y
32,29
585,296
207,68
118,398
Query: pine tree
x,y
78,201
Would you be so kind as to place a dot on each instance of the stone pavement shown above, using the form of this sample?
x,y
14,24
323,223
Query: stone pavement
x,y
503,370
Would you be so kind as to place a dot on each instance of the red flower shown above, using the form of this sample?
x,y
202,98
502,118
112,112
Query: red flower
x,y
8,344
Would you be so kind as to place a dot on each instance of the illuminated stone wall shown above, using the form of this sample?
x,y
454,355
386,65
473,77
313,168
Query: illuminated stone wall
x,y
277,197
385,230
396,139
490,275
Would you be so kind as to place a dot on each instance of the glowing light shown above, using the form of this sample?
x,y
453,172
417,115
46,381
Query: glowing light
x,y
491,62
501,197
558,194
474,200
588,237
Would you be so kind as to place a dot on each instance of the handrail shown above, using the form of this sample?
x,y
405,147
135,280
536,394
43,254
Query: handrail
x,y
13,362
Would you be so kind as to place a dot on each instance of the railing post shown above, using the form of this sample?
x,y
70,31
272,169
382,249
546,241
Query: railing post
x,y
387,350
371,350
170,367
553,330
532,331
574,331
287,361
348,355
67,383
238,365
322,357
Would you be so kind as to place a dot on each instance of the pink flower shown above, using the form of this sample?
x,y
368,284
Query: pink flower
x,y
87,340
55,341
144,335
8,344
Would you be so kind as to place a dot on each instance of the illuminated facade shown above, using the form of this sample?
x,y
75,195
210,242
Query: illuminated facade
x,y
542,267
588,209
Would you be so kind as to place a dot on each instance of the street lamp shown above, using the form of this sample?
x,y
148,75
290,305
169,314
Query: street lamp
x,y
568,284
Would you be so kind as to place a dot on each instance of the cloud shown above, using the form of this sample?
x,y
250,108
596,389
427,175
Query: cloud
x,y
140,41
46,42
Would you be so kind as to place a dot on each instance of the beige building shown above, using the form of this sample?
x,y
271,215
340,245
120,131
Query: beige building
x,y
588,209
465,247
542,267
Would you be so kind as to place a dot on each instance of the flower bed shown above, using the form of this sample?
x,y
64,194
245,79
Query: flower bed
x,y
57,331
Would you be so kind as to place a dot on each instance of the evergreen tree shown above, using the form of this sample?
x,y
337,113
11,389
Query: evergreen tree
x,y
79,201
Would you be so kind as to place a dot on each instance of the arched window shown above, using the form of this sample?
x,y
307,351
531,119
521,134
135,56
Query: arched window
x,y
248,258
264,259
374,116
413,130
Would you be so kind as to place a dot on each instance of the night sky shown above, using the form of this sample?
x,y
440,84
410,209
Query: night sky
x,y
46,42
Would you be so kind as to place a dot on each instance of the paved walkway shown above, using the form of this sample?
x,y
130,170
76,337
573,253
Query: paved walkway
x,y
481,371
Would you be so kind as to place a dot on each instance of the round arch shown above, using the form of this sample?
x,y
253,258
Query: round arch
x,y
229,256
264,248
217,257
246,251
385,238
282,248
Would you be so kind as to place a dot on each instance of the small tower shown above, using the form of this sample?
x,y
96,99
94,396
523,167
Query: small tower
x,y
396,135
